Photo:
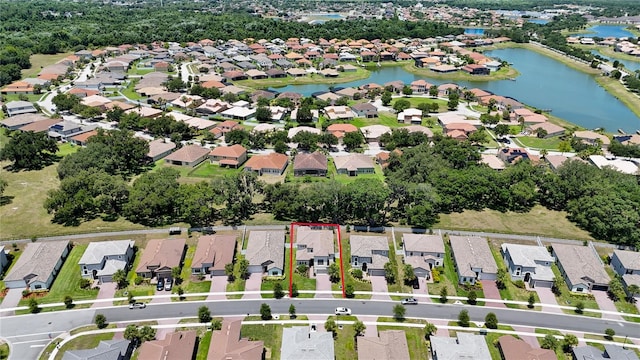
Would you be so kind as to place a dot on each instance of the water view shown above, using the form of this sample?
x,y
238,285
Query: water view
x,y
631,65
604,31
473,31
538,21
544,83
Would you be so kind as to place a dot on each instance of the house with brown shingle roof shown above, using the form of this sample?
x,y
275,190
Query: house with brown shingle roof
x,y
40,126
388,345
175,346
270,164
226,344
231,156
338,130
160,148
314,164
212,254
550,129
354,164
517,349
581,268
18,121
159,257
189,155
314,248
473,259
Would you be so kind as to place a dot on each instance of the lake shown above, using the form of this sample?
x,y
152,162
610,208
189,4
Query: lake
x,y
538,21
473,31
544,83
604,31
631,65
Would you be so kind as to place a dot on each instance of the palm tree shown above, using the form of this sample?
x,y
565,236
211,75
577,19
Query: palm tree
x,y
544,153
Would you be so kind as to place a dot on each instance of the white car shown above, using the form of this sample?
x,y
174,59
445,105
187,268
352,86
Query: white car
x,y
343,311
137,305
409,301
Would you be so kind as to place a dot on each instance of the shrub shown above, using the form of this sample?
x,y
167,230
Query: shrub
x,y
265,312
26,293
216,324
463,318
137,280
609,334
471,297
356,273
491,321
435,274
204,314
519,284
303,270
68,302
33,306
278,293
443,295
349,290
579,307
85,283
549,342
101,321
532,300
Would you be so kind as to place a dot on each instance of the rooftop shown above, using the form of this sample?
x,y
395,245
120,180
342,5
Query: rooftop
x,y
98,250
161,253
217,250
465,347
226,344
472,252
175,346
299,343
388,345
423,243
629,259
37,261
266,248
580,262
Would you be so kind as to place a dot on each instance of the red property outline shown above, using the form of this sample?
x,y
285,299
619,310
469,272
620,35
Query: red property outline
x,y
291,265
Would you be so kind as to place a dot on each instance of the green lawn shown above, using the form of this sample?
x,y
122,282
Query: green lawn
x,y
83,342
303,283
190,284
271,334
65,149
537,143
344,77
208,170
16,97
567,298
384,118
357,284
130,91
398,286
4,351
203,346
346,179
238,283
345,344
38,61
415,101
68,281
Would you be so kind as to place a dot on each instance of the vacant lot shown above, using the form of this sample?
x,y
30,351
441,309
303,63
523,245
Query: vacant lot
x,y
38,61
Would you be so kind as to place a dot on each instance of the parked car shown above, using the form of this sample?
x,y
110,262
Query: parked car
x,y
168,284
409,301
160,285
504,140
343,311
137,305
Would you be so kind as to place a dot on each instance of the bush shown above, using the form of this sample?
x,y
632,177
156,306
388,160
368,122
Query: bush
x,y
609,334
349,290
549,342
294,290
491,321
216,324
26,293
435,274
265,312
33,306
204,314
443,295
137,280
68,302
278,293
471,297
356,273
101,321
519,284
531,301
463,318
579,307
303,270
85,283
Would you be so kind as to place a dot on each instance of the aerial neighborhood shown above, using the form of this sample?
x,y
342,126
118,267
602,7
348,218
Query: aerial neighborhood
x,y
266,180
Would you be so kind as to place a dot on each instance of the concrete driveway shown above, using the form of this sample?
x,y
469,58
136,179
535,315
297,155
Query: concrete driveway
x,y
491,292
11,300
323,283
379,284
547,297
253,283
218,285
606,304
107,291
422,289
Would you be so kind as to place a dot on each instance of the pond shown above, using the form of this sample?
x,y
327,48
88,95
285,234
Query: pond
x,y
473,31
604,31
631,65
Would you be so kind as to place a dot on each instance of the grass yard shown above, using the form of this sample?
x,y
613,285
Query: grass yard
x,y
83,342
538,221
271,334
130,91
416,342
345,343
65,149
358,285
208,170
346,179
344,77
567,298
30,97
38,61
537,143
238,283
26,217
68,281
399,286
189,283
4,351
203,346
416,100
303,283
449,279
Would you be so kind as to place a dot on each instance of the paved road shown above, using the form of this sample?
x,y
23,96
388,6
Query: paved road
x,y
28,330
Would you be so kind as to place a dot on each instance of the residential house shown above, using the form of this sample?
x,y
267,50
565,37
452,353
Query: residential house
x,y
19,107
592,138
102,259
338,130
239,113
82,138
350,93
589,352
213,252
18,87
410,116
270,164
513,155
420,86
627,265
224,127
476,69
64,130
299,342
388,345
617,164
473,259
314,248
188,155
18,121
231,156
295,130
464,346
517,349
106,350
365,110
159,148
314,164
38,266
369,253
547,129
175,346
334,113
265,252
226,344
423,253
581,268
39,126
4,260
159,257
372,133
354,164
383,157
529,263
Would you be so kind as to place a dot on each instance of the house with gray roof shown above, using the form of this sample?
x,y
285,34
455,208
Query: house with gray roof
x,y
369,253
299,343
388,345
314,248
529,263
472,258
581,268
102,259
354,164
627,265
106,350
4,260
610,352
464,347
38,265
19,107
265,252
423,253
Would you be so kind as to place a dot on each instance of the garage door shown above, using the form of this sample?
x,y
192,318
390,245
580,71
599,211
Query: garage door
x,y
376,272
599,287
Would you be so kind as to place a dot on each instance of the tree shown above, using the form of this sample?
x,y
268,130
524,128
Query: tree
x,y
501,129
632,290
132,333
579,307
147,333
569,342
390,273
463,318
541,133
352,140
429,330
330,326
491,321
386,98
263,114
120,278
68,302
216,324
357,273
557,286
472,296
265,312
532,300
175,274
153,198
454,99
304,115
616,290
502,278
399,311
406,90
549,342
433,91
359,327
243,269
174,84
228,270
29,150
204,314
409,274
292,311
294,290
33,306
278,293
609,333
349,290
334,272
401,105
280,147
180,292
443,294
100,321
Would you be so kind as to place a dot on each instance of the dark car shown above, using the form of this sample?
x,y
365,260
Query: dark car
x,y
504,140
160,285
